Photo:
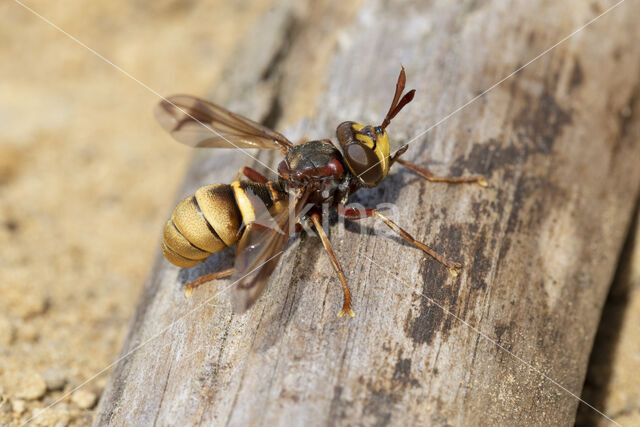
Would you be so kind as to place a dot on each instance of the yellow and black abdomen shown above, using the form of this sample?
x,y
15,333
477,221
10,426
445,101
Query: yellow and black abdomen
x,y
209,221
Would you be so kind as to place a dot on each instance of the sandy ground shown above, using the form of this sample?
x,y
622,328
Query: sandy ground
x,y
87,179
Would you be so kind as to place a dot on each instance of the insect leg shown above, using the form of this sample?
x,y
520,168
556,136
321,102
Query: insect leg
x,y
355,214
399,153
254,175
423,172
189,287
346,305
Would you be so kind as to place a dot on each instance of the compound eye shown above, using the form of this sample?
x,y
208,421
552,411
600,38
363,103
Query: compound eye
x,y
364,163
358,156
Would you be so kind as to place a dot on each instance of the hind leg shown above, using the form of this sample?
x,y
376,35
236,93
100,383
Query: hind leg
x,y
253,175
189,287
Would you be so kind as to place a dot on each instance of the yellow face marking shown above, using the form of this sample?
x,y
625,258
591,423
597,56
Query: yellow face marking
x,y
365,139
381,149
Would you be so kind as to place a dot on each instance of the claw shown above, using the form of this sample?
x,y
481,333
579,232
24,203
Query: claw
x,y
346,311
454,270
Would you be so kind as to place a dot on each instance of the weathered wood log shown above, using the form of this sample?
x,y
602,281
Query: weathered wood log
x,y
508,340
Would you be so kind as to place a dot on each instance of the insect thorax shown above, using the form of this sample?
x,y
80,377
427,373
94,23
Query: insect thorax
x,y
318,164
311,155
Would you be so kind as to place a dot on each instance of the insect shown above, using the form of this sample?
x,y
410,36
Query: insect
x,y
257,214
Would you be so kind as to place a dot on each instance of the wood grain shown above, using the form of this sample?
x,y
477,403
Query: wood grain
x,y
558,143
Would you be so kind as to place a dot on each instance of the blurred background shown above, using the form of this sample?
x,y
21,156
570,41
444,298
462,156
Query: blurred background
x,y
87,179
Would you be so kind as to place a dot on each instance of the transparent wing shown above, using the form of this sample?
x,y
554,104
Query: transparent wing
x,y
199,123
259,250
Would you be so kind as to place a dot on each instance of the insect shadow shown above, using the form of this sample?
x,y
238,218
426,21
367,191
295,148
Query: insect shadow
x,y
285,303
386,194
373,197
221,260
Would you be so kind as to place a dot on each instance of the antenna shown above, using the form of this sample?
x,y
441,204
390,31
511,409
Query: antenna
x,y
396,105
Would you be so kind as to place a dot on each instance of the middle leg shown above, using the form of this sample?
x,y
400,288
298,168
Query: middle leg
x,y
346,305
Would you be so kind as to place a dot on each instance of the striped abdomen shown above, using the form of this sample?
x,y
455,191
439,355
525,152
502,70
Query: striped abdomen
x,y
210,220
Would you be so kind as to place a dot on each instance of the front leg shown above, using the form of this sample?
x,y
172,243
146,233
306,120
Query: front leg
x,y
426,174
355,214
